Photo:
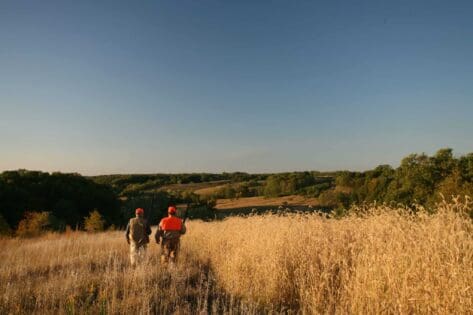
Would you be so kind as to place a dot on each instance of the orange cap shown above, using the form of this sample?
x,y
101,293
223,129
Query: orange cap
x,y
172,210
139,211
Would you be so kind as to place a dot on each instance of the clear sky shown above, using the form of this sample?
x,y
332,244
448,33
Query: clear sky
x,y
101,87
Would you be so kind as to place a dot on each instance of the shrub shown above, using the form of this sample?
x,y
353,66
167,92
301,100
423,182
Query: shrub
x,y
34,224
329,198
94,222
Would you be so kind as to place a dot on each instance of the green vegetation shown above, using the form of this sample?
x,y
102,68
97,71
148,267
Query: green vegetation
x,y
419,180
154,192
131,184
238,190
69,199
298,183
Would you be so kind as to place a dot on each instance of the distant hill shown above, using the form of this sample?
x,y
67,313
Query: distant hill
x,y
420,179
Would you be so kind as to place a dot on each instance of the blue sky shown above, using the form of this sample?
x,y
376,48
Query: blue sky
x,y
101,87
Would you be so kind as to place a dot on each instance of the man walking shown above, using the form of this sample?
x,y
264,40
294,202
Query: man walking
x,y
137,235
168,234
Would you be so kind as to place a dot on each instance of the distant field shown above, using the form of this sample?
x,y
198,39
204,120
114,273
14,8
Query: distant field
x,y
208,190
195,187
293,201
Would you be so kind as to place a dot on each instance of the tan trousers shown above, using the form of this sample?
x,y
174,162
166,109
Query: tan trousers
x,y
169,250
137,253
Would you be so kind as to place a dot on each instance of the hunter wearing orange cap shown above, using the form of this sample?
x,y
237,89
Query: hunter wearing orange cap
x,y
168,234
137,235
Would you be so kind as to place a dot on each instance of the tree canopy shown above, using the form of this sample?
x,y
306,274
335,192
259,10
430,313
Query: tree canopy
x,y
68,197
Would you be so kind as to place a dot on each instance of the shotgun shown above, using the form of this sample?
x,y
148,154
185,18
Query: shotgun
x,y
184,219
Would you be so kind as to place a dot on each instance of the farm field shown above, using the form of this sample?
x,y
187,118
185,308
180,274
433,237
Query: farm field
x,y
294,201
206,191
198,188
382,260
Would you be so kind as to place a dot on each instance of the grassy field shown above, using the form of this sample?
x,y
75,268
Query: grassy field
x,y
385,261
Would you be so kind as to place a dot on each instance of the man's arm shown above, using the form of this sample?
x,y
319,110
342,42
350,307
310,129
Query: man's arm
x,y
183,228
159,234
127,233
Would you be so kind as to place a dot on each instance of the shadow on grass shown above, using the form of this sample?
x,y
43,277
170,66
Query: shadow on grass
x,y
204,295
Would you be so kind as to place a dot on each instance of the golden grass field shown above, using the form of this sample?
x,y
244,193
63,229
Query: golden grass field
x,y
385,261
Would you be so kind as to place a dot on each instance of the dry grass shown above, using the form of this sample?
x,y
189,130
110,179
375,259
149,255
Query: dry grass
x,y
386,261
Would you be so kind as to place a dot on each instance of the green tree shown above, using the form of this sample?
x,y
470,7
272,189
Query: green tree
x,y
272,187
465,165
443,164
413,181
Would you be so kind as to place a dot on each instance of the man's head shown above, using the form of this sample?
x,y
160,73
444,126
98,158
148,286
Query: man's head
x,y
172,210
139,212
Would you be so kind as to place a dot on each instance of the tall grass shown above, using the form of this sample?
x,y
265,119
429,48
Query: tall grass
x,y
382,260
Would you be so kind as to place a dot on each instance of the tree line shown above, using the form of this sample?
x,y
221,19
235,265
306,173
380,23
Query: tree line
x,y
34,201
128,184
309,184
64,200
420,179
56,201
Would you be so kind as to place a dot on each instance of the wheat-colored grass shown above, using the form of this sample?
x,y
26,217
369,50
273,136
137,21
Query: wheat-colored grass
x,y
385,261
